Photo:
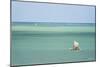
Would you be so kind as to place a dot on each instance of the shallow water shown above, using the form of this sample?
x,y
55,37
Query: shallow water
x,y
50,46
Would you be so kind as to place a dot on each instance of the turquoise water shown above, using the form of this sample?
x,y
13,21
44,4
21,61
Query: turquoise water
x,y
40,44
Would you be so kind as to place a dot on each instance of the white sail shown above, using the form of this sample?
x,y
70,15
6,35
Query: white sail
x,y
76,44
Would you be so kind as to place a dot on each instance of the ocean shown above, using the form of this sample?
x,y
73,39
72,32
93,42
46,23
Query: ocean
x,y
42,43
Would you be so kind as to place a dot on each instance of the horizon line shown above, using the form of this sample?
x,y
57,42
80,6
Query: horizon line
x,y
44,22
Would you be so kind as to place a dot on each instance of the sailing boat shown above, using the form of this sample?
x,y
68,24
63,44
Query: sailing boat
x,y
75,46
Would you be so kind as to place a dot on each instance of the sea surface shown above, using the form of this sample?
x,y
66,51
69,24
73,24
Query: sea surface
x,y
42,43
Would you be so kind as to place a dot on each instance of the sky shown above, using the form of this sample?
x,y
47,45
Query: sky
x,y
44,12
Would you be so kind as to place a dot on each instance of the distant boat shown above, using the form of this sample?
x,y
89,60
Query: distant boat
x,y
75,46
